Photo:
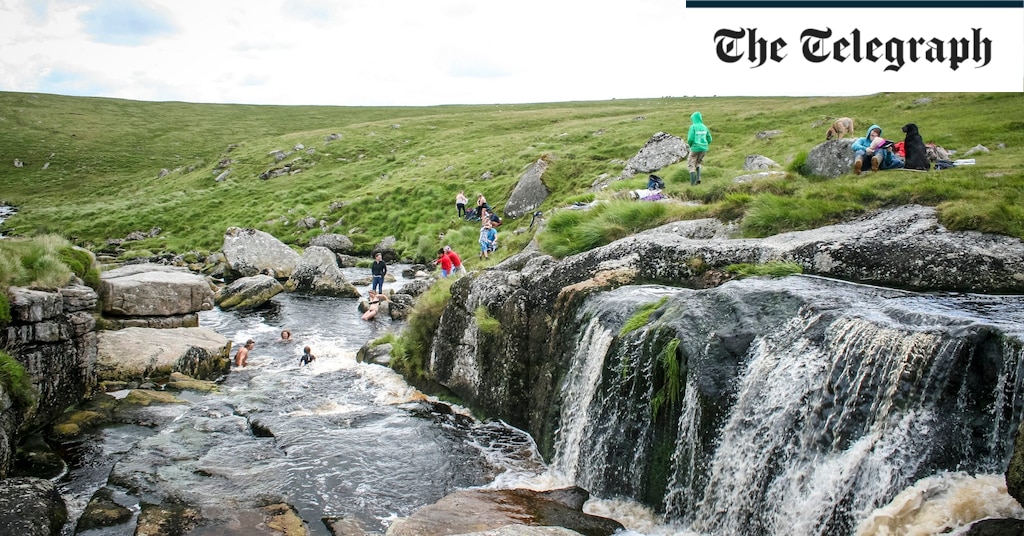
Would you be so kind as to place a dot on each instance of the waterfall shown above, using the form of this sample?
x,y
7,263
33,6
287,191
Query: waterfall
x,y
843,396
577,397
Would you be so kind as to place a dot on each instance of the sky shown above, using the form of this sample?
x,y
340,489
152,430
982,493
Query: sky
x,y
344,52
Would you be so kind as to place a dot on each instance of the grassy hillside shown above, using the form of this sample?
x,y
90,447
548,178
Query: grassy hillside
x,y
395,171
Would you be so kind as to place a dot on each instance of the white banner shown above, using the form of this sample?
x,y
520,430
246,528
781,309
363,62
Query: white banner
x,y
840,51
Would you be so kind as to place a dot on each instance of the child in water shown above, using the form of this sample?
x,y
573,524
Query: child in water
x,y
307,357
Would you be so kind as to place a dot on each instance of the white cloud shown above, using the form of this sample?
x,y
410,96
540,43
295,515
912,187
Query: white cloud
x,y
385,52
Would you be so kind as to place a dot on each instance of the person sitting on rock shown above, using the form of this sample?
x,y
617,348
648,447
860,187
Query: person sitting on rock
x,y
492,218
373,305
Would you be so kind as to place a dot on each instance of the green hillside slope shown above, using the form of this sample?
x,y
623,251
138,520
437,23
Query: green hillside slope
x,y
91,167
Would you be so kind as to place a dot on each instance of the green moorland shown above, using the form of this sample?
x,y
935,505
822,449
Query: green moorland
x,y
92,168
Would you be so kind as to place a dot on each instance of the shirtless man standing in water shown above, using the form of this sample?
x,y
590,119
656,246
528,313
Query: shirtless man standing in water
x,y
243,353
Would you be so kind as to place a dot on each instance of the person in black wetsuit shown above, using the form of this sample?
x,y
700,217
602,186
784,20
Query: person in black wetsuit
x,y
307,357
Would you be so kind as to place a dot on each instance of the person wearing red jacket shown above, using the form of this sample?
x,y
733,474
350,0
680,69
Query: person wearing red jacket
x,y
446,262
457,267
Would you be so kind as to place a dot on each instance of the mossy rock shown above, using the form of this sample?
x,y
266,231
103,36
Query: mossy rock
x,y
103,511
203,386
76,423
167,519
284,518
35,458
145,397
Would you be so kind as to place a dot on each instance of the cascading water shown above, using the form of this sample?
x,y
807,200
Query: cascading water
x,y
793,406
805,403
6,211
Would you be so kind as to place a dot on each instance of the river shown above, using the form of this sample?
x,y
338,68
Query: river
x,y
350,440
341,439
6,211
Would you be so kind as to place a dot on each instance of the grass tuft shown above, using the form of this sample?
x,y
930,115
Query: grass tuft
x,y
487,323
15,380
641,317
418,335
771,269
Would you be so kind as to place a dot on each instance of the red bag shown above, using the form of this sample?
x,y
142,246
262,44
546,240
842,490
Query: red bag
x,y
898,149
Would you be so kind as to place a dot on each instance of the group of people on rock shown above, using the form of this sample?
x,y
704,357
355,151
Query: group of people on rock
x,y
242,355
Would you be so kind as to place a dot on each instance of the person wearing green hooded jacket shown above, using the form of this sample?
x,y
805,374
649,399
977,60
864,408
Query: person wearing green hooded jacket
x,y
699,137
871,150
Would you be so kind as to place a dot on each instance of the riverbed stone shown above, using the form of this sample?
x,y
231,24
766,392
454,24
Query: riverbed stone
x,y
31,507
470,511
530,192
318,273
137,353
102,511
167,519
153,290
248,292
250,251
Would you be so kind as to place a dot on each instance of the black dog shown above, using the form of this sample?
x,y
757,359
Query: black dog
x,y
913,145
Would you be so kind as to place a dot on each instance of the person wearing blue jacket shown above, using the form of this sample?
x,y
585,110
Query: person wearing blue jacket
x,y
698,137
871,151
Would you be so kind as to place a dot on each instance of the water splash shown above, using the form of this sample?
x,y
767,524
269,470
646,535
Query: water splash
x,y
833,410
942,504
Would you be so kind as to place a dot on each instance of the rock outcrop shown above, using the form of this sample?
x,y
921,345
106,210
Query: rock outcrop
x,y
248,292
31,507
494,509
154,295
318,273
529,193
250,251
830,159
138,353
51,335
757,162
533,297
660,151
386,248
337,243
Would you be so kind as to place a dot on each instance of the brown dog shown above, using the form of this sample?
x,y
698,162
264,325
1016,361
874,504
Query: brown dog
x,y
842,127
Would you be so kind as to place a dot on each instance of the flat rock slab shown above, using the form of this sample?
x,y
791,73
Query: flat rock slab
x,y
153,290
474,511
135,353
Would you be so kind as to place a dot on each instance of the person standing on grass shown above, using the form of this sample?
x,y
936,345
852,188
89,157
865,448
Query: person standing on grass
x,y
378,270
457,267
460,203
492,237
699,138
485,241
446,262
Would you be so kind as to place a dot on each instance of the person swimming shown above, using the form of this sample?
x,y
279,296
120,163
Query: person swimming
x,y
307,357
